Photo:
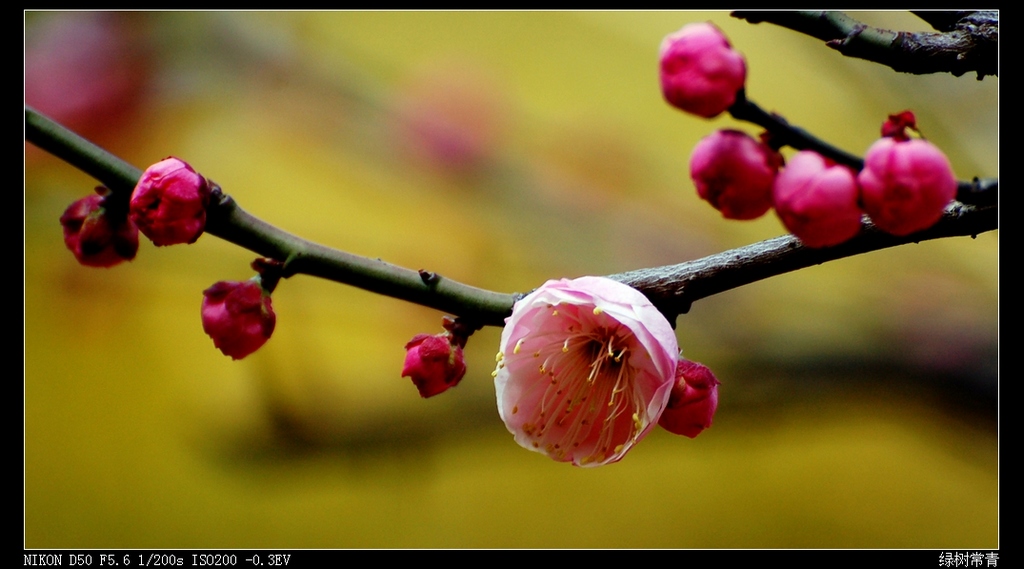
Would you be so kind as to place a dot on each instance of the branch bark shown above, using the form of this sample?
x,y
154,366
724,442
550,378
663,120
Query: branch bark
x,y
674,288
969,43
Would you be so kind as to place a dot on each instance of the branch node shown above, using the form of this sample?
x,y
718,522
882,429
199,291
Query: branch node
x,y
430,278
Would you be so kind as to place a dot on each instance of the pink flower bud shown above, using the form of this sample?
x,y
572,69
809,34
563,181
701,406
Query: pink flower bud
x,y
238,316
700,72
95,237
434,362
905,185
734,173
693,402
816,200
169,203
585,370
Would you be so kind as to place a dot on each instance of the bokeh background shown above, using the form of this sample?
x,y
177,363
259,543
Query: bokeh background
x,y
859,398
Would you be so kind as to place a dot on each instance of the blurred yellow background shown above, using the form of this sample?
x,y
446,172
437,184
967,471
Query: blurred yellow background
x,y
858,405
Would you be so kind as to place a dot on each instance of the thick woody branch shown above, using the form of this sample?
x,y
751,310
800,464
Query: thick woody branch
x,y
970,43
674,288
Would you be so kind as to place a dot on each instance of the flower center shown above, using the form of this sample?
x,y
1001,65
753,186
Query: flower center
x,y
582,402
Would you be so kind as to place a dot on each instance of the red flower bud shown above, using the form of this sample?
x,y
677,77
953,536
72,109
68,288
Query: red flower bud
x,y
95,237
434,363
693,401
700,72
238,316
169,203
734,173
816,200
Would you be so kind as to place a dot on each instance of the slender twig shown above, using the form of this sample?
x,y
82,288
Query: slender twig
x,y
785,134
672,288
227,220
116,174
981,192
970,44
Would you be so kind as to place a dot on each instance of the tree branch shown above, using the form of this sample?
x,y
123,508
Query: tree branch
x,y
980,192
970,44
942,20
785,134
227,220
672,288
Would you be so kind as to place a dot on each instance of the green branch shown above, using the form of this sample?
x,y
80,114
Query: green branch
x,y
672,288
116,174
227,220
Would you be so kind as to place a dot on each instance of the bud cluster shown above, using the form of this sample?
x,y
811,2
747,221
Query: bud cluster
x,y
169,206
904,187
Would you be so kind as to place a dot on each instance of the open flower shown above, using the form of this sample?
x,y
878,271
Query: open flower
x,y
434,363
693,402
585,369
238,316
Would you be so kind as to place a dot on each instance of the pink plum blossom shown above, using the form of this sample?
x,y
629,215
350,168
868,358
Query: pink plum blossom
x,y
238,316
97,237
700,72
585,369
734,173
693,402
905,184
169,203
816,200
434,363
